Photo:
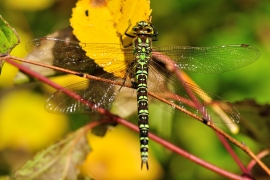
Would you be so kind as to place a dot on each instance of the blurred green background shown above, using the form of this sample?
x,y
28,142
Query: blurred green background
x,y
25,127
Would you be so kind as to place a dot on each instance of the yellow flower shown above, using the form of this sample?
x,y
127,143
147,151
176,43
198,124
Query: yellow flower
x,y
25,124
104,23
117,156
28,4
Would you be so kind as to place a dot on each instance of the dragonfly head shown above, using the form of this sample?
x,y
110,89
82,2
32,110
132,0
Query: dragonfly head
x,y
143,28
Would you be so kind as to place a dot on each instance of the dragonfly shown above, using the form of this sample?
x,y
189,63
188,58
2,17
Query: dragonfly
x,y
146,70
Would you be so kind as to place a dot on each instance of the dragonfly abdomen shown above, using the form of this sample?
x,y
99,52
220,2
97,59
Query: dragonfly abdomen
x,y
142,53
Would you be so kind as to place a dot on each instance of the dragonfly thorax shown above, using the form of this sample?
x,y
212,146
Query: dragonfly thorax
x,y
143,28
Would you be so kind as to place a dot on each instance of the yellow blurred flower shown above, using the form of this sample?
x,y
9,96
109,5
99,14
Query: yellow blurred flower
x,y
117,156
32,5
25,124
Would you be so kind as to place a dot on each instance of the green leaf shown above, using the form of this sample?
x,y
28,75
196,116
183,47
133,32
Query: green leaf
x,y
8,39
59,161
5,178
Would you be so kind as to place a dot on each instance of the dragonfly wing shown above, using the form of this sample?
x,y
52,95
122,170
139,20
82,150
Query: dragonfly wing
x,y
113,58
188,97
214,59
61,53
97,94
81,56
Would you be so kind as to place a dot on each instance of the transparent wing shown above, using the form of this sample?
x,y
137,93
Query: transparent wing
x,y
188,97
214,59
71,55
61,53
99,94
112,58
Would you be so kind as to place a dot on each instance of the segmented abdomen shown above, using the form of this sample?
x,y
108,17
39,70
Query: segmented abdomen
x,y
142,54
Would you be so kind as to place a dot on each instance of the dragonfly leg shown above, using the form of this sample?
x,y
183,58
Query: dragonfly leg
x,y
129,24
122,42
154,38
126,75
128,35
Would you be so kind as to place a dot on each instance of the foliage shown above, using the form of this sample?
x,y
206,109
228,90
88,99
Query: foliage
x,y
181,23
59,161
8,39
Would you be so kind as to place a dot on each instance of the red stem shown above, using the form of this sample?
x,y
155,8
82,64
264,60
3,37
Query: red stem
x,y
181,152
233,154
130,125
222,139
260,156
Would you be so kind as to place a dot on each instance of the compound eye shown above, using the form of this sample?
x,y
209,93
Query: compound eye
x,y
149,30
135,28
